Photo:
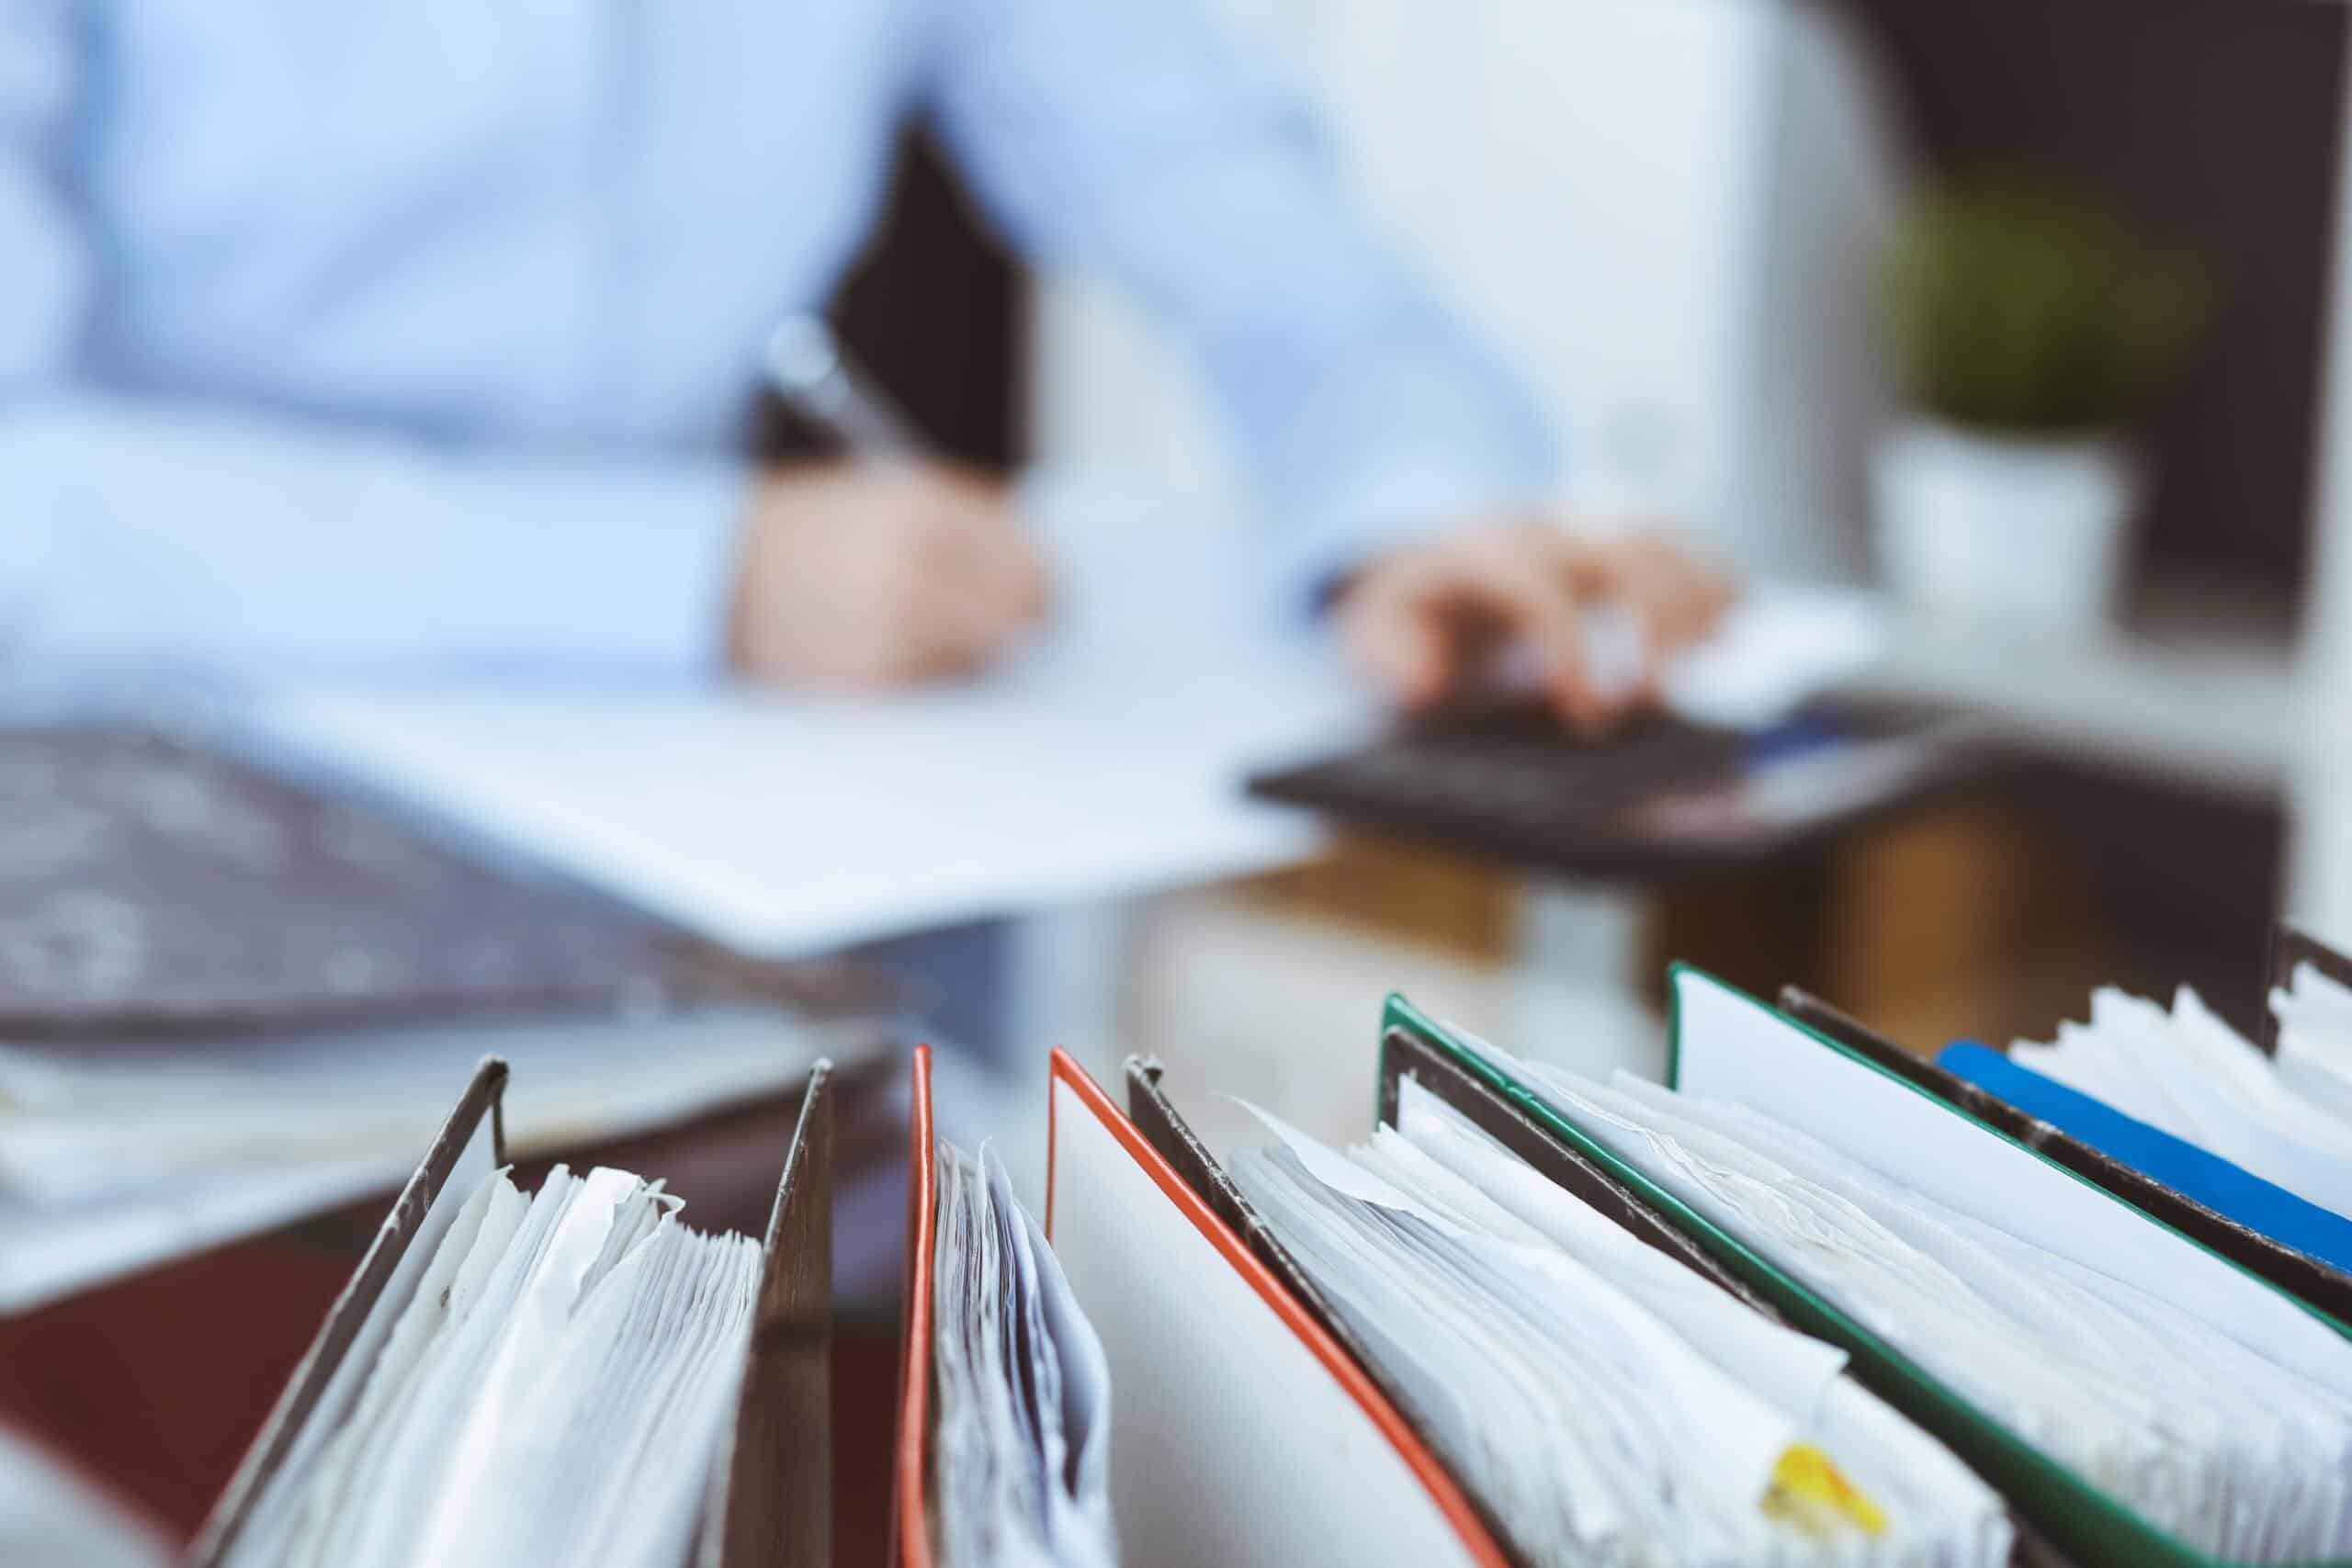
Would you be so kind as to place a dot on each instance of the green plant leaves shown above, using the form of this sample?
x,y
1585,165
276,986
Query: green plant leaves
x,y
2017,310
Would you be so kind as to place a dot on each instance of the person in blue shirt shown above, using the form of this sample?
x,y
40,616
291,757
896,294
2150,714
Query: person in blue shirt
x,y
415,336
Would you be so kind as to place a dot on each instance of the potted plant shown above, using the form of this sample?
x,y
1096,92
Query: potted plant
x,y
2029,333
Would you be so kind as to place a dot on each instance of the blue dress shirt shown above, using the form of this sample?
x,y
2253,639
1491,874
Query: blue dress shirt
x,y
413,336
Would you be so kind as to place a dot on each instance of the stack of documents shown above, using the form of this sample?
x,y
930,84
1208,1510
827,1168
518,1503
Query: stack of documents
x,y
1613,1405
1426,1351
2185,1071
553,1392
570,1375
1246,1436
2212,1441
2142,1400
2245,1145
2295,1245
1021,1444
1792,1309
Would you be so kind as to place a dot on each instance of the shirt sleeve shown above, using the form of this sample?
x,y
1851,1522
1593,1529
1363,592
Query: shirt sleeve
x,y
158,532
1131,137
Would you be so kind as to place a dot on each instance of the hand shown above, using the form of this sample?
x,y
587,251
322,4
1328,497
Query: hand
x,y
1418,621
857,576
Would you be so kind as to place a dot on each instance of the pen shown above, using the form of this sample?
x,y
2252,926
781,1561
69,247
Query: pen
x,y
814,374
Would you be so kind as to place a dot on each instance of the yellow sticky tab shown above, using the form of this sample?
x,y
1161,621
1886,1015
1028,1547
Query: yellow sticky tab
x,y
1812,1494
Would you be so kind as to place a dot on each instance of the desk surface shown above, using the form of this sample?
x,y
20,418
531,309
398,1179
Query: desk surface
x,y
1106,760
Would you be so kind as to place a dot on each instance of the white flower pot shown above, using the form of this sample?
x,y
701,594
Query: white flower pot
x,y
1991,533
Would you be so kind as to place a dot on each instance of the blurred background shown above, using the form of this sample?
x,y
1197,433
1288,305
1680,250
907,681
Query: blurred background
x,y
2019,327
1680,220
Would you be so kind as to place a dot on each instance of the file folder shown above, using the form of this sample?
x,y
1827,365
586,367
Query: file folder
x,y
2299,1274
1784,1066
1162,1126
1243,1432
2237,1194
769,1496
1407,1055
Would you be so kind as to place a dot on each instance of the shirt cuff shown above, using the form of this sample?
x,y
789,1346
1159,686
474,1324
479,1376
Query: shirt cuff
x,y
627,568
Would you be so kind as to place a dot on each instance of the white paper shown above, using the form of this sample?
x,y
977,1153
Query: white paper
x,y
1734,1049
2287,1121
1238,1446
2056,1317
1792,1370
554,1390
1021,1414
120,1118
1106,760
48,1252
1596,1425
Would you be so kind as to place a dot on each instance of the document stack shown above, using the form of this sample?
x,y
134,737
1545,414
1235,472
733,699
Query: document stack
x,y
2135,1397
1426,1351
1791,1308
2244,1145
1022,1434
1611,1404
2284,1117
566,1376
1787,1309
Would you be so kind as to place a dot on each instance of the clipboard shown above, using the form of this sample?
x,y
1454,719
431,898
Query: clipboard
x,y
769,1503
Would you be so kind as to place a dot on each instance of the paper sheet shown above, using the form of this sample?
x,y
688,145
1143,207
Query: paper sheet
x,y
1577,1377
1107,760
2204,1402
1021,1425
1236,1405
555,1388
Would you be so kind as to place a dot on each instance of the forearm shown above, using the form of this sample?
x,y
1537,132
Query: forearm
x,y
144,534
